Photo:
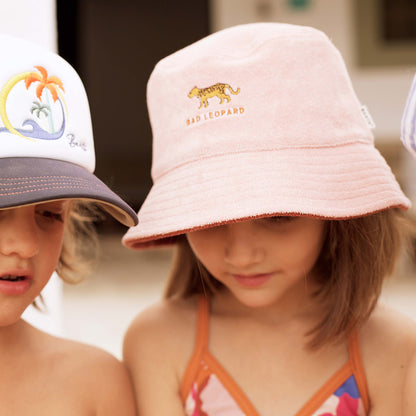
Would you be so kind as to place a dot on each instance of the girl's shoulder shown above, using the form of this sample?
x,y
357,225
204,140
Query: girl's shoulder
x,y
157,348
388,329
388,345
165,310
158,325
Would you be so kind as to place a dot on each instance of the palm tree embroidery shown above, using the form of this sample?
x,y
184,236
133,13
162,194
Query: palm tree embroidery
x,y
50,83
40,109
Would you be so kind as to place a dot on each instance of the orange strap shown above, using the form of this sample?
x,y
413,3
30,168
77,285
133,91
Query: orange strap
x,y
354,365
358,368
201,344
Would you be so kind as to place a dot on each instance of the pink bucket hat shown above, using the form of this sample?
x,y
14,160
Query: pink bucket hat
x,y
258,120
47,147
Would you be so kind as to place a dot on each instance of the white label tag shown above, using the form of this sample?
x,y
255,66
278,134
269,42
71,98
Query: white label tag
x,y
367,117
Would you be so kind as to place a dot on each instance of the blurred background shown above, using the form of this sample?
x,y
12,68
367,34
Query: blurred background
x,y
114,47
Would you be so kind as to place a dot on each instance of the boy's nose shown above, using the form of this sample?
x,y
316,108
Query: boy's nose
x,y
19,234
242,245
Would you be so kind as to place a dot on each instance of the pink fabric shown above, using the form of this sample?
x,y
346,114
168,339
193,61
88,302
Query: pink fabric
x,y
207,389
257,120
341,406
212,399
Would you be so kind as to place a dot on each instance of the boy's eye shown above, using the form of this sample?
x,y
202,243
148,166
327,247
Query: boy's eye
x,y
51,215
51,212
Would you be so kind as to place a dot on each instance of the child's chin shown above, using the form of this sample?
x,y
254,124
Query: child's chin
x,y
256,300
10,317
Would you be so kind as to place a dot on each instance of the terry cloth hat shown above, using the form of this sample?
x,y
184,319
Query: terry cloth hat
x,y
408,130
46,141
258,120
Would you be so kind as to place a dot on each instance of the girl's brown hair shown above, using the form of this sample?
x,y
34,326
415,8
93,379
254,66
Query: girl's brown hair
x,y
357,255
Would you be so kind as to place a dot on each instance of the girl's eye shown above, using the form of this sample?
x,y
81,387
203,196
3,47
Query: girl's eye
x,y
280,219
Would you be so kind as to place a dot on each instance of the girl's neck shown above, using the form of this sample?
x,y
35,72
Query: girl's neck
x,y
297,306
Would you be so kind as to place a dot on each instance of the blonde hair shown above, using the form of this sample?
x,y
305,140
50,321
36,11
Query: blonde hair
x,y
80,245
79,251
357,255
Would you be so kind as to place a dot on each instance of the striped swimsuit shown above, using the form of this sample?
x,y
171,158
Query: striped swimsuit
x,y
208,390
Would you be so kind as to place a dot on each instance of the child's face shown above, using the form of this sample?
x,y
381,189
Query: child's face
x,y
30,245
261,261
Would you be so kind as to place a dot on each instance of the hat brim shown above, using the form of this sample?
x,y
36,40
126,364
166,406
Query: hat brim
x,y
337,182
29,180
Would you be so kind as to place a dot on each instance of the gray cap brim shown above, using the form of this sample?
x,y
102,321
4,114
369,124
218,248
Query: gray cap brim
x,y
28,180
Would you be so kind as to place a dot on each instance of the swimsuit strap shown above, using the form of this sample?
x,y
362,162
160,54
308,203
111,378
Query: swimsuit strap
x,y
201,345
358,368
202,328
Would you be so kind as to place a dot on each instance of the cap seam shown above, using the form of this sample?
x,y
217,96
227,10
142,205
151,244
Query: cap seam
x,y
40,177
45,189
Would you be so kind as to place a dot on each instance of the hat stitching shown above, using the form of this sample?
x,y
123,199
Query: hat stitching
x,y
75,184
37,178
200,158
35,183
45,189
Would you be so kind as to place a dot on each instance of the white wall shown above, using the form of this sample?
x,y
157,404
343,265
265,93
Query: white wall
x,y
35,20
384,90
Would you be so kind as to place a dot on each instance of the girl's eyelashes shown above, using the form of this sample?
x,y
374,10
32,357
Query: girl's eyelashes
x,y
280,219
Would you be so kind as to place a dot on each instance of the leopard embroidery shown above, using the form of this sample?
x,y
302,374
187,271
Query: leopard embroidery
x,y
216,90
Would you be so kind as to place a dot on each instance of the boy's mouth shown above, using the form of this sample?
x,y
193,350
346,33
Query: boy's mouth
x,y
15,284
12,278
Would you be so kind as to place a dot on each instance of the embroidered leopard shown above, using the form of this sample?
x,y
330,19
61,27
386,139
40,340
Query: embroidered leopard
x,y
216,90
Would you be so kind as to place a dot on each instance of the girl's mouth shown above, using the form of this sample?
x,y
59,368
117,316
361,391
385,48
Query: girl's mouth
x,y
253,280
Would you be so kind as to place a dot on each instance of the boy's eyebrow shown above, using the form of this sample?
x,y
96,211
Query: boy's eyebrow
x,y
57,204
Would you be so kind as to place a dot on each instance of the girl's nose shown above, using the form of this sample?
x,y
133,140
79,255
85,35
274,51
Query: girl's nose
x,y
19,233
243,246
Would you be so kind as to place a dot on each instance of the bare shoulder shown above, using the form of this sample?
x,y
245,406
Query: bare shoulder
x,y
409,388
157,348
388,342
166,326
91,373
388,330
166,312
87,359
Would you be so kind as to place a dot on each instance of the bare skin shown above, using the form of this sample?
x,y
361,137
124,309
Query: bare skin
x,y
44,375
41,374
258,335
160,342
